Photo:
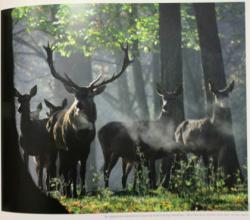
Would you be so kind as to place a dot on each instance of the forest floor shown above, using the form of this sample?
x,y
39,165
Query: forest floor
x,y
160,200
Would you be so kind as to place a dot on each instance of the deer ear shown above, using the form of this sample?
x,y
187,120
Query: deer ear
x,y
33,91
40,107
98,90
16,93
230,87
48,104
178,91
211,87
159,90
64,103
70,89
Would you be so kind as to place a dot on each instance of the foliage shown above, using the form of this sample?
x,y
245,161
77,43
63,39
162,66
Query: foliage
x,y
159,200
189,191
87,27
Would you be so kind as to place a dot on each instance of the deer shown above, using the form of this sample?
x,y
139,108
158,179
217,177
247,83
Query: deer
x,y
49,160
35,115
74,129
208,137
154,139
34,138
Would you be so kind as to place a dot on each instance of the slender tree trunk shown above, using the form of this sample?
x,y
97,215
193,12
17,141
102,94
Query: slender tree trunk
x,y
137,73
171,56
171,67
194,96
211,53
156,79
123,89
213,67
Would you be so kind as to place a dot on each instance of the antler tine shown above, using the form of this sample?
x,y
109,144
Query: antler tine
x,y
67,81
126,62
95,81
71,81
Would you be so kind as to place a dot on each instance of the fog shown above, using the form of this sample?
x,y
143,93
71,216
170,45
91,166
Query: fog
x,y
31,69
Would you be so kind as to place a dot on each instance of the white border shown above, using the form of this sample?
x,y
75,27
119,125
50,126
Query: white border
x,y
206,215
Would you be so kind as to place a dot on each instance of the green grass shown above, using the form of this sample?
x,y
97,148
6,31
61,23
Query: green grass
x,y
159,200
189,192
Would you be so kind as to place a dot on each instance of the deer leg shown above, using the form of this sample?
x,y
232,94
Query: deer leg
x,y
124,179
107,160
167,165
135,176
215,168
152,174
52,165
40,174
51,169
48,178
113,160
126,170
74,176
68,183
82,174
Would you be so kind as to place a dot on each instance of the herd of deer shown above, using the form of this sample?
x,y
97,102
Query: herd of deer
x,y
67,133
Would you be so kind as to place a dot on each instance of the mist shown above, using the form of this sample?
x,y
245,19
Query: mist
x,y
115,104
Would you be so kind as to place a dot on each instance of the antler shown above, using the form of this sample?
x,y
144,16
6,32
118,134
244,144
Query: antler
x,y
126,62
67,81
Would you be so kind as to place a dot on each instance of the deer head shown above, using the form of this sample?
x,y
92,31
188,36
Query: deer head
x,y
24,100
169,98
220,96
84,106
54,108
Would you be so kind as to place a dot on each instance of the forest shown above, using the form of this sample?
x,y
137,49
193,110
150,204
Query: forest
x,y
133,107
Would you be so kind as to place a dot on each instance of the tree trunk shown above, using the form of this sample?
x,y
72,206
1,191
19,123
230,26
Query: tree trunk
x,y
123,89
171,67
156,79
18,190
213,67
193,83
139,84
171,56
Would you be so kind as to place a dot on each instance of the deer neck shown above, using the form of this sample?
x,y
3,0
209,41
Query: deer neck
x,y
79,120
25,119
220,117
165,117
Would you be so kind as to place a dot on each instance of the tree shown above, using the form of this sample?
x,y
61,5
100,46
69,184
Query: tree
x,y
18,190
171,65
213,67
171,56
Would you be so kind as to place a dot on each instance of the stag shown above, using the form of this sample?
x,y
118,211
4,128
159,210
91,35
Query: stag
x,y
34,138
154,139
48,161
74,129
207,137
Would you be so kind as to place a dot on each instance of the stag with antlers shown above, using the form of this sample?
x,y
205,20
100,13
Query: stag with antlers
x,y
74,129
